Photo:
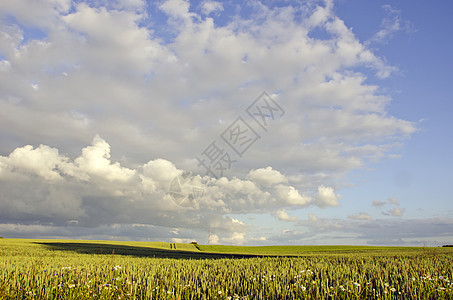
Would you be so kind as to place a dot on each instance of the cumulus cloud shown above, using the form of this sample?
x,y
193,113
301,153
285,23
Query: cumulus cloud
x,y
92,190
41,161
326,197
282,215
291,196
267,176
95,163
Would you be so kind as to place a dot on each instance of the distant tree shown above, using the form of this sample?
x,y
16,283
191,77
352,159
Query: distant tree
x,y
447,246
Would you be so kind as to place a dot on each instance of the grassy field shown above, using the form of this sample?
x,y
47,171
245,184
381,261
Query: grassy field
x,y
69,269
306,250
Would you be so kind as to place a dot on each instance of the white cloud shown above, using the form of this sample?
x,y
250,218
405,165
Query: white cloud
x,y
158,172
291,196
237,238
41,161
320,15
209,7
395,212
326,197
178,9
391,24
378,203
282,215
213,239
266,176
393,201
112,39
360,216
5,65
95,162
313,217
34,13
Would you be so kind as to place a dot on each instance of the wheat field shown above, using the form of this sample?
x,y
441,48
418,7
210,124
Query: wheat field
x,y
64,269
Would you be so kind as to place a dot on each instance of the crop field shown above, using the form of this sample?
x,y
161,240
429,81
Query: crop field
x,y
70,269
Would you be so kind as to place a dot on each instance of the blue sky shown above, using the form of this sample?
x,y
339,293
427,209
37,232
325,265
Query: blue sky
x,y
104,103
420,92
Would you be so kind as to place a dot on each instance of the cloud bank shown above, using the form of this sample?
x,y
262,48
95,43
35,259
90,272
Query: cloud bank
x,y
103,103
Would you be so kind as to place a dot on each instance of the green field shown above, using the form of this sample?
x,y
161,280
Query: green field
x,y
73,269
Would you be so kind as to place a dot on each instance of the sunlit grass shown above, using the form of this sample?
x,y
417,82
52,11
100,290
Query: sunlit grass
x,y
304,250
57,269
